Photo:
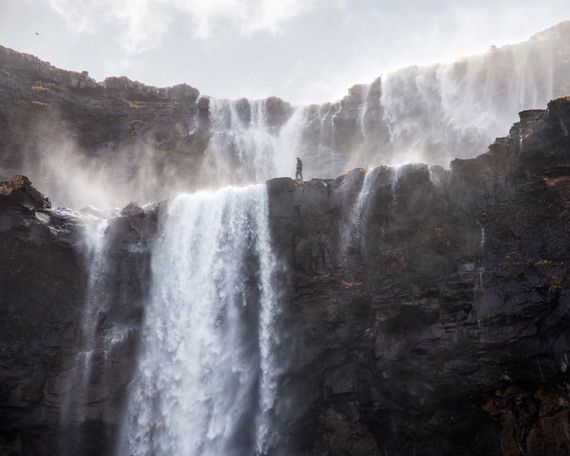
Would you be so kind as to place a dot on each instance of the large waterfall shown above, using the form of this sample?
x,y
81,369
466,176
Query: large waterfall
x,y
429,114
207,370
209,357
420,114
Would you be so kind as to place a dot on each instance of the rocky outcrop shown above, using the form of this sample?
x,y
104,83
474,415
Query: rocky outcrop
x,y
426,310
54,119
51,290
429,308
18,194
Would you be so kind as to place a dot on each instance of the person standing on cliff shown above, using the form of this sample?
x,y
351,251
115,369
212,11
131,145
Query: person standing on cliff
x,y
299,173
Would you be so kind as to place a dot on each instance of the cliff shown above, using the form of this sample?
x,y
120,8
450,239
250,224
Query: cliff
x,y
73,136
44,285
439,324
147,142
426,310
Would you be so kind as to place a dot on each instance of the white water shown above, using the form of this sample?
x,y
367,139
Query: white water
x,y
241,148
482,236
457,109
394,179
74,408
207,372
429,114
350,234
88,381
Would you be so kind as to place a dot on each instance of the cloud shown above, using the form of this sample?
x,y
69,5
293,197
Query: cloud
x,y
141,24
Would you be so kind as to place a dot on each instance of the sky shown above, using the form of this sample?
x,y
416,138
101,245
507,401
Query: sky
x,y
304,51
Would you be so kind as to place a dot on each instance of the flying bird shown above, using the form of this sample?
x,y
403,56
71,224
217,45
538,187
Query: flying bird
x,y
37,33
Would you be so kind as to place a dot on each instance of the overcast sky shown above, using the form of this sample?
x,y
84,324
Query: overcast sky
x,y
304,51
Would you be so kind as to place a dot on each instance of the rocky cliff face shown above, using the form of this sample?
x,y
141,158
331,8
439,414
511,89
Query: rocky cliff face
x,y
433,319
48,404
426,310
73,136
67,131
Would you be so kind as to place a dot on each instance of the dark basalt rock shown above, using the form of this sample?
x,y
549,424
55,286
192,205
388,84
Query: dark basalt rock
x,y
44,279
438,324
117,125
427,315
19,194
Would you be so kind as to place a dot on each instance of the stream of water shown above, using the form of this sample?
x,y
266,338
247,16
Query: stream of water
x,y
207,372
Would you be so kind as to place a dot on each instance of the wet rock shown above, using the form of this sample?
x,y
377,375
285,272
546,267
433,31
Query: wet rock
x,y
45,276
133,210
18,193
443,330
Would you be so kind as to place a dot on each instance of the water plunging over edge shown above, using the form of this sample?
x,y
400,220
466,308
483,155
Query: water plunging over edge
x,y
75,408
207,370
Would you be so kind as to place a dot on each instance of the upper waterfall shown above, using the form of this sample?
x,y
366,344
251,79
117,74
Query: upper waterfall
x,y
429,114
150,143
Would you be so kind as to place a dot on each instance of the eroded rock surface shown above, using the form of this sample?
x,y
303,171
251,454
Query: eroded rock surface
x,y
51,290
429,308
425,311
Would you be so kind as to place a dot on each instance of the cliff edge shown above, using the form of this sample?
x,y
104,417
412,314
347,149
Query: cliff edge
x,y
425,310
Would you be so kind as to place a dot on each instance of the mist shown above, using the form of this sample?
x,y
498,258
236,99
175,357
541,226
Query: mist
x,y
140,143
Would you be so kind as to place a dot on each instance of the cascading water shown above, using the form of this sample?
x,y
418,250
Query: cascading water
x,y
289,143
363,109
242,145
429,114
350,234
394,179
208,367
96,257
84,382
444,111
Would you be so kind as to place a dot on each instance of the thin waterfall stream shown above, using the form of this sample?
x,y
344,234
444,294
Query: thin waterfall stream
x,y
76,410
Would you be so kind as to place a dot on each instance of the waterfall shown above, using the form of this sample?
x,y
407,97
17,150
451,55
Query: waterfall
x,y
207,370
245,147
363,109
482,236
429,114
242,146
394,179
350,232
440,112
289,143
84,384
